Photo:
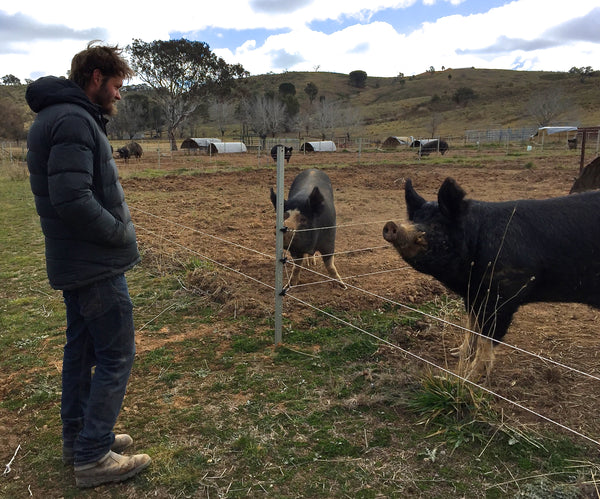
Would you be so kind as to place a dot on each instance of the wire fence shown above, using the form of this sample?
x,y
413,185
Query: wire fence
x,y
292,294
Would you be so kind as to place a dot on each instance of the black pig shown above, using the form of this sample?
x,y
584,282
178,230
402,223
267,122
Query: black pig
x,y
123,153
499,256
287,153
129,150
310,206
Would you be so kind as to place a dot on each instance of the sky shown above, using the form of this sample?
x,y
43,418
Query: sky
x,y
380,37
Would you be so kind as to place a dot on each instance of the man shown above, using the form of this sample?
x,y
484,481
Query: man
x,y
90,244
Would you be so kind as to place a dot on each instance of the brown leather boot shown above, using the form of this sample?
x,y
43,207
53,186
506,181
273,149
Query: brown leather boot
x,y
111,468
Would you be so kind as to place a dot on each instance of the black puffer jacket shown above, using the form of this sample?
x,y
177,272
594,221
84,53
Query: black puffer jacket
x,y
84,217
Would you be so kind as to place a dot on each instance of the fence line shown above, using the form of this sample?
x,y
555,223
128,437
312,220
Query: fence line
x,y
212,260
327,278
330,279
201,232
354,224
382,340
457,326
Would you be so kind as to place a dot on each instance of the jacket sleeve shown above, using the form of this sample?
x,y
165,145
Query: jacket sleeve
x,y
72,188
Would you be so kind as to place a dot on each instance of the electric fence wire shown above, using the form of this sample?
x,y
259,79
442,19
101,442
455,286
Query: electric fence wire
x,y
382,340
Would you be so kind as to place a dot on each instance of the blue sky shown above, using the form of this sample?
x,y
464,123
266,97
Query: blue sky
x,y
381,37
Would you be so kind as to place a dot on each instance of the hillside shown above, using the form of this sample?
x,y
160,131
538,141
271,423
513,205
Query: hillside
x,y
414,105
390,107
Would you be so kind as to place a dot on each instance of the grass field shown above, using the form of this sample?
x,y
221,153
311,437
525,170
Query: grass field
x,y
225,413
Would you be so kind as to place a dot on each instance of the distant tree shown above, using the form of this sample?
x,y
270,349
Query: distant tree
x,y
12,124
182,74
436,119
582,72
311,90
305,120
327,118
431,70
292,108
547,107
358,79
133,116
189,125
350,120
10,80
264,115
463,95
401,79
222,113
287,89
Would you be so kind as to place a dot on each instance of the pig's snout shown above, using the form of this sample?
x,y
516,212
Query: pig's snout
x,y
390,232
407,240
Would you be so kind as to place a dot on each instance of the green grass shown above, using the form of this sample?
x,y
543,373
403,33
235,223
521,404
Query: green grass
x,y
224,413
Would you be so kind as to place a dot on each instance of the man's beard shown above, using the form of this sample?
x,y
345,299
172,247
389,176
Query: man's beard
x,y
105,101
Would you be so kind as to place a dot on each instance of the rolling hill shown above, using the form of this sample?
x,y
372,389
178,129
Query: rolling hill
x,y
444,103
408,106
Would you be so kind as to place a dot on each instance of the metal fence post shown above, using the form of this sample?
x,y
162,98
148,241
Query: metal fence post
x,y
279,260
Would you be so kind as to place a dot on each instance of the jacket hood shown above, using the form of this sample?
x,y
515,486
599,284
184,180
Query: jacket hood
x,y
50,90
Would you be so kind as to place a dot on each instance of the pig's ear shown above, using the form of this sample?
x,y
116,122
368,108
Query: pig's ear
x,y
451,199
273,198
316,201
413,200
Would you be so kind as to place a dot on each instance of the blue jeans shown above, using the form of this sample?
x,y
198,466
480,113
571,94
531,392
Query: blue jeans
x,y
97,362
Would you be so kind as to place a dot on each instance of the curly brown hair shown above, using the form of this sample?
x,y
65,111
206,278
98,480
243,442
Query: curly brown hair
x,y
106,58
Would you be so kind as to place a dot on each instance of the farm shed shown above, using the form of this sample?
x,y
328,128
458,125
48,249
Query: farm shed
x,y
395,141
227,147
318,146
195,143
562,133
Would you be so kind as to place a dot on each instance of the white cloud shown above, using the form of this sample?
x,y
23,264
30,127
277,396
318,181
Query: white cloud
x,y
540,36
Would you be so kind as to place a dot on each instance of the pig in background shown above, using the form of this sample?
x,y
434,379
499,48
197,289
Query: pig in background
x,y
133,149
287,152
500,255
310,206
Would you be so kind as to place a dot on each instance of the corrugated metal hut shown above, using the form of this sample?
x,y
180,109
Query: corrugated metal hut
x,y
227,147
198,143
318,146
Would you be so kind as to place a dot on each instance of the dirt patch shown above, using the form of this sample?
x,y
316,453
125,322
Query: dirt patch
x,y
222,214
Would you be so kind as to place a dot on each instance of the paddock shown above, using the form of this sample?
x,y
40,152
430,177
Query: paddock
x,y
366,196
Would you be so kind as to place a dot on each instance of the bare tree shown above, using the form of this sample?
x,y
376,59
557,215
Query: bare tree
x,y
305,121
222,113
547,107
436,119
264,115
350,120
327,118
